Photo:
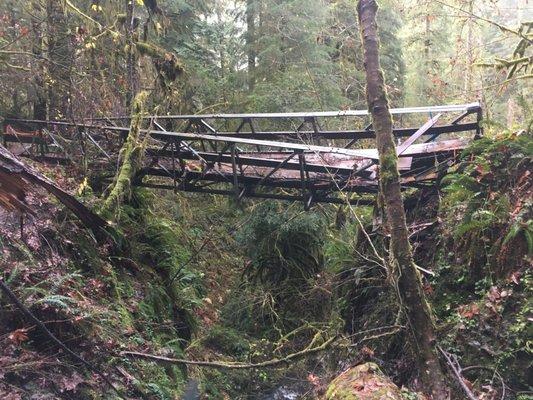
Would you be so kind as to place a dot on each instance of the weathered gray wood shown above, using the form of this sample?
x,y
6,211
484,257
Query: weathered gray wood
x,y
340,113
365,153
423,129
11,165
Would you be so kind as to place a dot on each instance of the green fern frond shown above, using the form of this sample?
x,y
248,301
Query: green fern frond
x,y
57,301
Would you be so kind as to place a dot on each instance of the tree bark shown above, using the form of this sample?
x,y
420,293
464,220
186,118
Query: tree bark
x,y
469,52
39,101
131,156
131,62
20,172
427,53
403,271
60,55
250,41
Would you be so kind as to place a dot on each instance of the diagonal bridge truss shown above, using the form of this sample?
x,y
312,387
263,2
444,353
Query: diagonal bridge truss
x,y
311,157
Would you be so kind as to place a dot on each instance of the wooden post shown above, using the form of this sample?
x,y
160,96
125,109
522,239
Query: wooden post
x,y
234,169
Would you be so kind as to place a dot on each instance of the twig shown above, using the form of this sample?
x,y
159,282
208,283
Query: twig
x,y
396,329
457,372
233,365
494,371
76,9
14,299
496,24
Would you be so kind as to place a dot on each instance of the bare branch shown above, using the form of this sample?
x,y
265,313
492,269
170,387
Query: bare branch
x,y
233,365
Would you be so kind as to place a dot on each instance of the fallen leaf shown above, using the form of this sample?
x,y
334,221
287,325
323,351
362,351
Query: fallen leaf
x,y
468,384
367,351
515,277
18,336
468,311
494,294
70,383
313,379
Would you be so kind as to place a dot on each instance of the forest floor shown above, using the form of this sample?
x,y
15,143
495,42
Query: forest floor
x,y
185,285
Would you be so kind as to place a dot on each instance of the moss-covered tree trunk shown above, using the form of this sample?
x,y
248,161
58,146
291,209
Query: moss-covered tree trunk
x,y
404,272
131,156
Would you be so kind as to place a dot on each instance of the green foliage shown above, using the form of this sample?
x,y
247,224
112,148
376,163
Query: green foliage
x,y
167,64
158,243
131,156
160,383
482,288
482,207
521,226
227,340
426,48
283,246
340,251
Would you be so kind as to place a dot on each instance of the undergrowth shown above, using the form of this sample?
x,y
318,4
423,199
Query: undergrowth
x,y
483,287
200,278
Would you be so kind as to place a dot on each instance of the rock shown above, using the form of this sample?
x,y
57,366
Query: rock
x,y
363,382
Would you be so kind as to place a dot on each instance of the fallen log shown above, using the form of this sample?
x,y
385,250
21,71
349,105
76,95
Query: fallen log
x,y
13,193
18,175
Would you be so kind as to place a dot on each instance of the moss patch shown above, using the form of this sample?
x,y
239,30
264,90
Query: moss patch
x,y
363,382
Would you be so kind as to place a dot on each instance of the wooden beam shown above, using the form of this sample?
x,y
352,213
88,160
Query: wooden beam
x,y
341,113
422,130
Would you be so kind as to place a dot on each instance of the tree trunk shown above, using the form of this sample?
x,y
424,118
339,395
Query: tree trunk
x,y
60,55
131,156
403,270
19,172
469,52
427,53
39,100
131,62
250,41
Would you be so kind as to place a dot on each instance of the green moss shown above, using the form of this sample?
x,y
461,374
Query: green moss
x,y
126,320
227,340
161,383
363,382
167,63
388,167
131,155
484,248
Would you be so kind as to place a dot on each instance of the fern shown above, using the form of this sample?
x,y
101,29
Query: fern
x,y
57,284
520,227
57,301
283,246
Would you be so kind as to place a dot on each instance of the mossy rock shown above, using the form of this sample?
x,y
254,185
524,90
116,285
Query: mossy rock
x,y
363,382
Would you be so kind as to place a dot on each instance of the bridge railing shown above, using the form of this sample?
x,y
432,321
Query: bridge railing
x,y
308,161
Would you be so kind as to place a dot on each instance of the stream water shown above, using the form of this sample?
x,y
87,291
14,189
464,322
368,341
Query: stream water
x,y
283,393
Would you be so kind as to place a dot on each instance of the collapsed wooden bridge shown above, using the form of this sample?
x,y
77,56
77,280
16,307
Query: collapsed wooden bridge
x,y
308,157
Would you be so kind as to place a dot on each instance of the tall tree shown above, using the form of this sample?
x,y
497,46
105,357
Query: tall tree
x,y
131,62
250,40
39,101
60,56
428,53
403,271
